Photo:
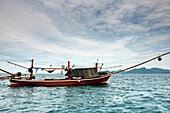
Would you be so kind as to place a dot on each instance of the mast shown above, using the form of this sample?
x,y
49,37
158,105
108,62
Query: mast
x,y
32,63
96,66
68,68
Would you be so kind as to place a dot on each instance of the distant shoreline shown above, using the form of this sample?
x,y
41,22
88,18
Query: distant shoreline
x,y
144,70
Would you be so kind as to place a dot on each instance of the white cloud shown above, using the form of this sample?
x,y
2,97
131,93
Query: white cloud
x,y
68,30
115,14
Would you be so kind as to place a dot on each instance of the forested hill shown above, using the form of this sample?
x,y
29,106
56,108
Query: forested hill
x,y
148,71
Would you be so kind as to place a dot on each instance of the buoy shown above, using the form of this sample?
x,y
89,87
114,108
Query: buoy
x,y
78,80
18,73
159,59
33,77
30,70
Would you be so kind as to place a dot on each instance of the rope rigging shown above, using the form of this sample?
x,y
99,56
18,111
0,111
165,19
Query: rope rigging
x,y
52,69
129,60
157,57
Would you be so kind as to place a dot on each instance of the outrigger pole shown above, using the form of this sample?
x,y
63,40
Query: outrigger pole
x,y
12,75
29,69
159,58
8,73
17,64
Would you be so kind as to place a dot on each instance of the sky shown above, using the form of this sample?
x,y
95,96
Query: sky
x,y
116,32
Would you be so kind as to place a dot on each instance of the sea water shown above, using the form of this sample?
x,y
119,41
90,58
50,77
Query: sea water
x,y
129,93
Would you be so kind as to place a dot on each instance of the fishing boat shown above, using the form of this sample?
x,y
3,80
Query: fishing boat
x,y
60,82
75,76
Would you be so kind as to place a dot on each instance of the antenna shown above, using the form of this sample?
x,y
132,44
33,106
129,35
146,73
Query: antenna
x,y
97,53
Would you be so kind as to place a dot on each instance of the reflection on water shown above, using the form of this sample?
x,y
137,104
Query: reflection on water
x,y
123,93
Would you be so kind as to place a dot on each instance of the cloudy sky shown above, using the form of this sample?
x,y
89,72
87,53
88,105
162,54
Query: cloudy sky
x,y
82,31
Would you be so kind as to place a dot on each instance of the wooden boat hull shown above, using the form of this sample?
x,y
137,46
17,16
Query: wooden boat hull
x,y
60,82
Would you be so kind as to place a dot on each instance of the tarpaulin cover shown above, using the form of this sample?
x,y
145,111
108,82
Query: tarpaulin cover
x,y
84,72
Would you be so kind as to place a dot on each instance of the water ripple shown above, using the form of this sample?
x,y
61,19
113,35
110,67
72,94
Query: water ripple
x,y
123,93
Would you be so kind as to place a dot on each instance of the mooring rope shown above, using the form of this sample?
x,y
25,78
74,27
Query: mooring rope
x,y
140,63
129,60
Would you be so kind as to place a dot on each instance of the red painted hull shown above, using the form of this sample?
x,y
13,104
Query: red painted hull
x,y
61,82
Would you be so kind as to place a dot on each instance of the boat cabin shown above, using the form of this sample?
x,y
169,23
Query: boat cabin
x,y
83,73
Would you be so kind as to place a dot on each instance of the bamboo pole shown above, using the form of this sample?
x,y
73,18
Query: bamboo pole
x,y
17,65
12,75
139,63
8,72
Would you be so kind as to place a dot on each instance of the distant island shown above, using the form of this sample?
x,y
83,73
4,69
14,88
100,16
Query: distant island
x,y
144,70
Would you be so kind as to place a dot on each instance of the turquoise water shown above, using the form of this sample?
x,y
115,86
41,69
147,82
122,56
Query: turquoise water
x,y
123,93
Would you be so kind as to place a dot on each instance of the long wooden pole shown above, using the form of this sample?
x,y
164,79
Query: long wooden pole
x,y
48,68
8,72
140,63
17,64
12,75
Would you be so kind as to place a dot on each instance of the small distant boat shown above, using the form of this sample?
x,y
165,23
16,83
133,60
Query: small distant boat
x,y
75,76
